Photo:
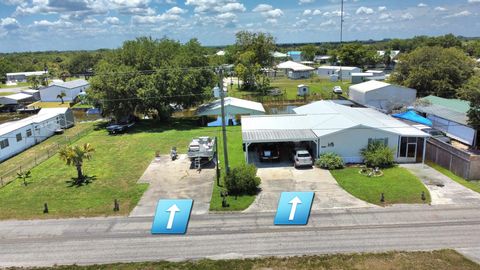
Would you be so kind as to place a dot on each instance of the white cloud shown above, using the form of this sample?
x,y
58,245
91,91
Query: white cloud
x,y
364,11
385,17
407,16
301,2
317,12
112,20
215,6
262,8
422,5
382,8
307,12
440,9
473,1
464,13
327,23
9,23
176,11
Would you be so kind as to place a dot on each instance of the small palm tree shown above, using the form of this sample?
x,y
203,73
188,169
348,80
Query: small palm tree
x,y
24,176
61,96
75,155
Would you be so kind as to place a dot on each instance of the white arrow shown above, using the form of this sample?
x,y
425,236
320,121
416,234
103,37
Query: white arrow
x,y
173,209
295,201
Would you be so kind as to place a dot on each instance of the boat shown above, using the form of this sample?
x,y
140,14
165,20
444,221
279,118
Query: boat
x,y
201,147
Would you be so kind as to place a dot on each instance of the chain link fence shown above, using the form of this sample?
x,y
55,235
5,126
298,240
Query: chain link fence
x,y
28,163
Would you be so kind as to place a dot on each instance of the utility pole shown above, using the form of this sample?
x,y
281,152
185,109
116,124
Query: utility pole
x,y
224,129
341,40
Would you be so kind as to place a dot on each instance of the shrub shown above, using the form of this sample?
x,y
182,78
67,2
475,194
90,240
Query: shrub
x,y
377,154
330,161
242,180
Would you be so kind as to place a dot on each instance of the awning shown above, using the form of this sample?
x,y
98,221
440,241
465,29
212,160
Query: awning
x,y
278,135
414,117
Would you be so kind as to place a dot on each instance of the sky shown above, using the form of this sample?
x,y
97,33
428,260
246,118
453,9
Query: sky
x,y
39,25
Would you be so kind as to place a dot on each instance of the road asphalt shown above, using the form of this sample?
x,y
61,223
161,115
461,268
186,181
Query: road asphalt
x,y
239,235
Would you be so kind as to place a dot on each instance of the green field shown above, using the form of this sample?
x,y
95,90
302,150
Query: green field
x,y
6,93
398,185
117,164
434,260
22,84
319,88
471,184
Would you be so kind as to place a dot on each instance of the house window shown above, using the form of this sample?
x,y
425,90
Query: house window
x,y
382,140
29,133
331,144
19,137
4,143
408,147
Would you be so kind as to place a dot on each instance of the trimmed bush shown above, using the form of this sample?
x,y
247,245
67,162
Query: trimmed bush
x,y
242,180
330,161
377,154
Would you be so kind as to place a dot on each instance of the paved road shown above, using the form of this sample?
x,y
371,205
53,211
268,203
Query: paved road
x,y
105,240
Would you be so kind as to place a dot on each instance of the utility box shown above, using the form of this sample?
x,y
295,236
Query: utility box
x,y
303,90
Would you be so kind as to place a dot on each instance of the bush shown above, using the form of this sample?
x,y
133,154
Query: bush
x,y
242,180
330,161
377,154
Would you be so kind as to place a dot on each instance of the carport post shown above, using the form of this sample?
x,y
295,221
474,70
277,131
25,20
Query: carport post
x,y
424,151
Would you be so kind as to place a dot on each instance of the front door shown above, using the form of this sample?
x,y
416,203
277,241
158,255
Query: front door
x,y
408,149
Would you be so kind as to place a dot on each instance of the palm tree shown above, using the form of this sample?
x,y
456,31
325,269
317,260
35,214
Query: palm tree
x,y
24,176
75,155
61,96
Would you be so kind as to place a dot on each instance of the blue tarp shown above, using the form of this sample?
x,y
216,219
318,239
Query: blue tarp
x,y
414,117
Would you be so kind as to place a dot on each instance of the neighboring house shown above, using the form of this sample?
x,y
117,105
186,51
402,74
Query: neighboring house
x,y
361,77
13,78
279,55
326,126
220,53
233,107
322,59
34,93
296,70
344,72
17,99
295,55
17,136
449,116
71,89
382,96
65,114
393,54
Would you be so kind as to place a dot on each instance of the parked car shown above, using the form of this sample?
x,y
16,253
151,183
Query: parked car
x,y
269,152
337,90
437,134
302,157
119,128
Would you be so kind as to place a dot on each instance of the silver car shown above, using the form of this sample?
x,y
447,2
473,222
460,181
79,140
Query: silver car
x,y
302,158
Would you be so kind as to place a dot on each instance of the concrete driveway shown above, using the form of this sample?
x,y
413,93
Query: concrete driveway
x,y
443,190
328,194
175,180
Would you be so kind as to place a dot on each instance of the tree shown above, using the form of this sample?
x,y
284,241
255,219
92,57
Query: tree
x,y
471,92
61,96
24,176
434,70
356,54
75,156
242,180
308,52
34,81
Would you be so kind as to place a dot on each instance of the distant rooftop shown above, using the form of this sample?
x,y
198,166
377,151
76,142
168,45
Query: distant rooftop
x,y
450,109
337,67
71,84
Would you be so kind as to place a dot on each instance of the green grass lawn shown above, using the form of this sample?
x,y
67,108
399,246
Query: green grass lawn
x,y
20,84
398,185
427,260
117,164
472,184
322,88
40,104
6,93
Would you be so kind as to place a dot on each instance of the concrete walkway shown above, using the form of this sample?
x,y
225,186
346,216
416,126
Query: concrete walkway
x,y
443,190
328,194
169,179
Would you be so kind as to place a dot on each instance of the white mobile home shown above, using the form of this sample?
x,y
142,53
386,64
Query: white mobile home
x,y
16,77
296,70
71,89
329,127
66,118
344,72
382,96
17,99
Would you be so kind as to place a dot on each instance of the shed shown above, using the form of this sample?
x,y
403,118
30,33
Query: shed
x,y
71,89
302,90
382,96
360,77
33,92
449,116
296,70
344,72
17,99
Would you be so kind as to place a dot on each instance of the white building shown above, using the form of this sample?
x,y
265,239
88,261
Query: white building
x,y
360,77
20,135
16,99
344,72
71,89
16,77
329,127
65,114
382,96
296,70
393,53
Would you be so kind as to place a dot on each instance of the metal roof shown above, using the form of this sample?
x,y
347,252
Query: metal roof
x,y
28,73
249,107
18,96
444,113
338,68
457,105
276,135
71,84
14,125
294,66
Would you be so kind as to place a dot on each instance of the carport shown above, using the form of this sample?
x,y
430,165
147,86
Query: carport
x,y
279,136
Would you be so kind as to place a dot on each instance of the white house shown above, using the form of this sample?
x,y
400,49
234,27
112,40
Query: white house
x,y
16,99
382,96
344,72
33,92
16,77
330,127
71,89
360,77
20,135
233,107
296,70
65,114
